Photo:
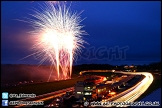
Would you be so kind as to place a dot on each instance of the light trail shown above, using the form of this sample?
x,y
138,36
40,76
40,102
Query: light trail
x,y
133,93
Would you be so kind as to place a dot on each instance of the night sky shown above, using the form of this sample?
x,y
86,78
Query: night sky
x,y
132,26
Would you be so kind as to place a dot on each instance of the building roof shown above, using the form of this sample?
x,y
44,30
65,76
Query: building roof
x,y
103,85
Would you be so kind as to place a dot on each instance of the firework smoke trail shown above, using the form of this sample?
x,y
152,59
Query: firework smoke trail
x,y
58,37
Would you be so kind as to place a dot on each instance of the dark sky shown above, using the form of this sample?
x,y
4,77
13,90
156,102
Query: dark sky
x,y
129,29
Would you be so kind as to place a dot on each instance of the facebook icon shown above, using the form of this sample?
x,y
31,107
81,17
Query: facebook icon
x,y
5,95
4,102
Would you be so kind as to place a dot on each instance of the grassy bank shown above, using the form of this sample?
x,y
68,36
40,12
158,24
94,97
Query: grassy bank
x,y
42,88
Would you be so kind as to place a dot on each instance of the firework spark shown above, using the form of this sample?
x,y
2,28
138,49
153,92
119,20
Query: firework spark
x,y
58,37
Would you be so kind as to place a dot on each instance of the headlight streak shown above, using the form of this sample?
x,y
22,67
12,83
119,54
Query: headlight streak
x,y
133,93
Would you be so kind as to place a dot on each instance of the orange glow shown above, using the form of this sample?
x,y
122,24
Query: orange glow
x,y
112,93
104,79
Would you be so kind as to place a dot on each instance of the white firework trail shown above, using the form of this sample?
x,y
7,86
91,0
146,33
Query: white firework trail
x,y
58,35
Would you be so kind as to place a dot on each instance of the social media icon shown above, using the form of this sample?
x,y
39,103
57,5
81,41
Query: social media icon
x,y
86,103
4,102
5,95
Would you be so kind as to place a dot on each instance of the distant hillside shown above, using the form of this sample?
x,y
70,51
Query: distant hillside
x,y
17,73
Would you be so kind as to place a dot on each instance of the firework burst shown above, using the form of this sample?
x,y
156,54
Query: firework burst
x,y
58,37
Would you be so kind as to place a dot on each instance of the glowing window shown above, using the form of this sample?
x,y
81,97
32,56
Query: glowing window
x,y
79,92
